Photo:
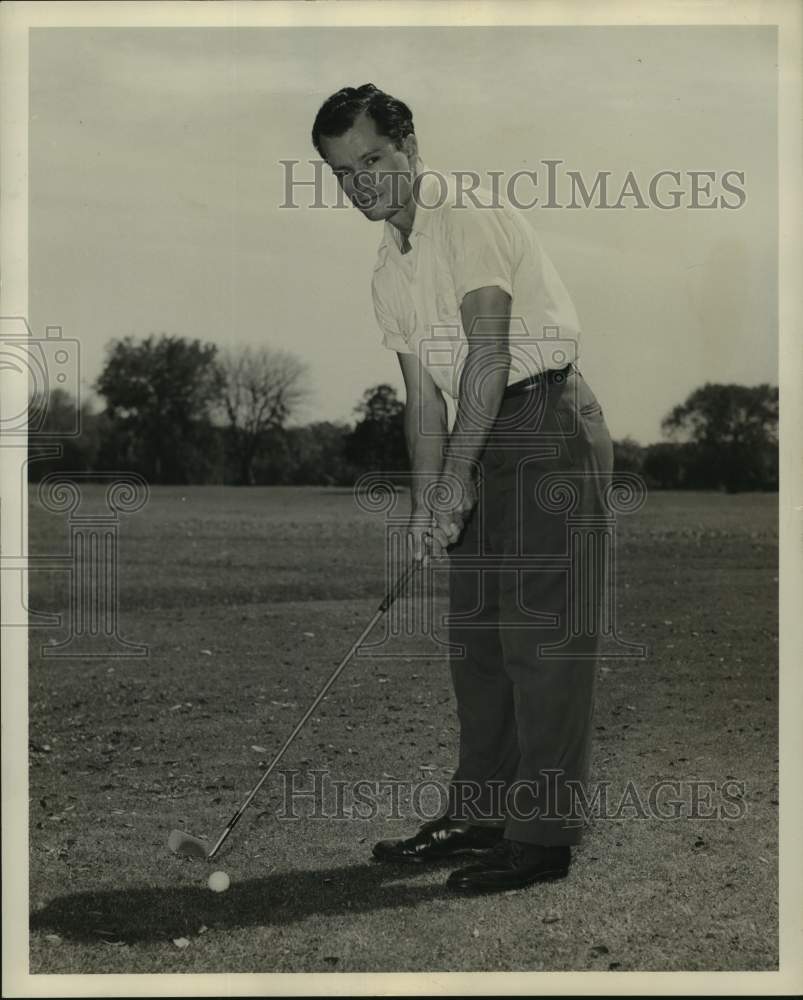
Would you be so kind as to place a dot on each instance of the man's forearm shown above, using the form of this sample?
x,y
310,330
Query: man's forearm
x,y
482,385
425,432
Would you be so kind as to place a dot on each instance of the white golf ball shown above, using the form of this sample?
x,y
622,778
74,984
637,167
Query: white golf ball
x,y
219,882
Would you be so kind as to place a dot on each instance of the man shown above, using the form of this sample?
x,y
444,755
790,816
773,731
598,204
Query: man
x,y
472,305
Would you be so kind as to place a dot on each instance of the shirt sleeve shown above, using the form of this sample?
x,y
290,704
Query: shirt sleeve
x,y
391,331
480,247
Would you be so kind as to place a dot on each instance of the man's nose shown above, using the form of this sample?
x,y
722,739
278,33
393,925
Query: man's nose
x,y
362,188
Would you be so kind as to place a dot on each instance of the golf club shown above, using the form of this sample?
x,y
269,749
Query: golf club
x,y
195,847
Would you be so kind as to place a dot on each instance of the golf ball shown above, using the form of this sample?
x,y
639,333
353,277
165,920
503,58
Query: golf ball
x,y
219,882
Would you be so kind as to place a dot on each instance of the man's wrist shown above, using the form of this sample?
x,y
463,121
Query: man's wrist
x,y
421,500
459,467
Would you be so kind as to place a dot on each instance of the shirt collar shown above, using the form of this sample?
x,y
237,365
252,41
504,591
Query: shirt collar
x,y
429,197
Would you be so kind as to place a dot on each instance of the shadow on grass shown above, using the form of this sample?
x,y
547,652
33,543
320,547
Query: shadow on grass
x,y
152,914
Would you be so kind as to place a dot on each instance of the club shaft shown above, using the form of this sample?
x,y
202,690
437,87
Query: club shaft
x,y
391,596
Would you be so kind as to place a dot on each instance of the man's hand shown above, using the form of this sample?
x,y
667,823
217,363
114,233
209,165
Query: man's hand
x,y
419,535
454,499
428,535
430,532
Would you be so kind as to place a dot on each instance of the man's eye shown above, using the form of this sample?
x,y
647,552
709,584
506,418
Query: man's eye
x,y
371,160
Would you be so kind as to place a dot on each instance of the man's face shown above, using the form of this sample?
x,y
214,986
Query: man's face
x,y
376,176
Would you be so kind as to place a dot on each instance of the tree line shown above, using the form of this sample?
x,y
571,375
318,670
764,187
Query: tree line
x,y
180,411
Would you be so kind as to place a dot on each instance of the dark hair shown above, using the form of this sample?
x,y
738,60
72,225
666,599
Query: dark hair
x,y
339,112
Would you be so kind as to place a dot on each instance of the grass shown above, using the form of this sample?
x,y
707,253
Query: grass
x,y
247,599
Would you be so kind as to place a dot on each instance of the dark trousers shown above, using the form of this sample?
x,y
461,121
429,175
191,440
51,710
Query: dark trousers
x,y
526,712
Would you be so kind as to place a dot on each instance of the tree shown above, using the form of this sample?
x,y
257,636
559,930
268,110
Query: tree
x,y
664,465
319,454
79,452
377,442
628,455
262,388
734,433
160,395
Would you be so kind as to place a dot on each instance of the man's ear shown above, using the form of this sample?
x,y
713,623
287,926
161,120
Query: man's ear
x,y
410,146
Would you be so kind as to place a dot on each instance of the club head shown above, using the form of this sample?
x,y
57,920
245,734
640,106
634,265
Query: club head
x,y
187,846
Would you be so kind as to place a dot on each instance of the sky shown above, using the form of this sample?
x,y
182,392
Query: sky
x,y
156,187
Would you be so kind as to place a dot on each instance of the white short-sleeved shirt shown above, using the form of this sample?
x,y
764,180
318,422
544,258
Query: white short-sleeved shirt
x,y
454,250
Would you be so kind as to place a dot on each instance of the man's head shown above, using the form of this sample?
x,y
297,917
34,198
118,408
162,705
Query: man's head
x,y
367,138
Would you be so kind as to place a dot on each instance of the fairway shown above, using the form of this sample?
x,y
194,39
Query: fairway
x,y
246,600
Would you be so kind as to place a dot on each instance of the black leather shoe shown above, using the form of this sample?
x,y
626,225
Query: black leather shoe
x,y
438,839
512,865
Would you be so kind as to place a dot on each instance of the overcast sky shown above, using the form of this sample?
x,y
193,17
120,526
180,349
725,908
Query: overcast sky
x,y
155,188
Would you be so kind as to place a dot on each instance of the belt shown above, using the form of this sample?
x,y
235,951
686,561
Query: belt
x,y
550,376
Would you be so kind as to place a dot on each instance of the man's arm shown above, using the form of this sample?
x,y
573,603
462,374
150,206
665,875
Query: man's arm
x,y
425,431
485,313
